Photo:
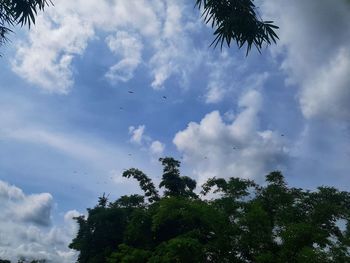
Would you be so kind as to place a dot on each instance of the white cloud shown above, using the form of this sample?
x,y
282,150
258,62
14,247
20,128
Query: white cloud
x,y
215,92
238,149
46,59
157,148
129,47
24,227
218,85
137,134
35,209
228,76
145,142
328,95
64,31
315,44
174,52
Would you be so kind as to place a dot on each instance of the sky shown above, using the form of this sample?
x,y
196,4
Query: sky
x,y
94,89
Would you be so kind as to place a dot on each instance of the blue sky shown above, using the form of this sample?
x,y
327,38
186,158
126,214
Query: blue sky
x,y
69,124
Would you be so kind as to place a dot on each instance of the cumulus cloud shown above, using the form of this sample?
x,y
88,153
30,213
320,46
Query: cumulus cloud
x,y
239,148
34,209
172,49
137,134
315,47
25,230
145,142
129,48
328,95
157,148
45,59
63,32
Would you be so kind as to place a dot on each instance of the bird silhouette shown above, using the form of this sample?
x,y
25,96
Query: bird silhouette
x,y
130,91
165,97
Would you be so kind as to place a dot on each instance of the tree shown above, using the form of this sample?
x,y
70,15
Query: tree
x,y
22,12
242,222
237,21
174,184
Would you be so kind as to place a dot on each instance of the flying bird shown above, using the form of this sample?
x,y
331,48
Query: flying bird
x,y
130,91
165,97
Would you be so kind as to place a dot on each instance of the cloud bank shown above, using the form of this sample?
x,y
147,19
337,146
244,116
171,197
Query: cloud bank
x,y
45,59
236,149
314,44
26,227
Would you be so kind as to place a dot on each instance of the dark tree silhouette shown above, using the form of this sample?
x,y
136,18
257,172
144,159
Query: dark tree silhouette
x,y
237,21
18,12
173,182
242,222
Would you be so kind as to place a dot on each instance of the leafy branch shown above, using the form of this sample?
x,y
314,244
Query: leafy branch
x,y
237,21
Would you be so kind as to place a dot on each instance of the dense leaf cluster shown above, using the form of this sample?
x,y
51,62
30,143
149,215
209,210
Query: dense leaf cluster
x,y
237,21
22,12
241,222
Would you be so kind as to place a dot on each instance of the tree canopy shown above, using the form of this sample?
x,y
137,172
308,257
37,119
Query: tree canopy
x,y
232,20
240,222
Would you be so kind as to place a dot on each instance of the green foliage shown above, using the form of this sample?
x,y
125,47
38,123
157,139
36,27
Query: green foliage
x,y
243,222
174,184
22,12
145,182
180,249
126,254
237,21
